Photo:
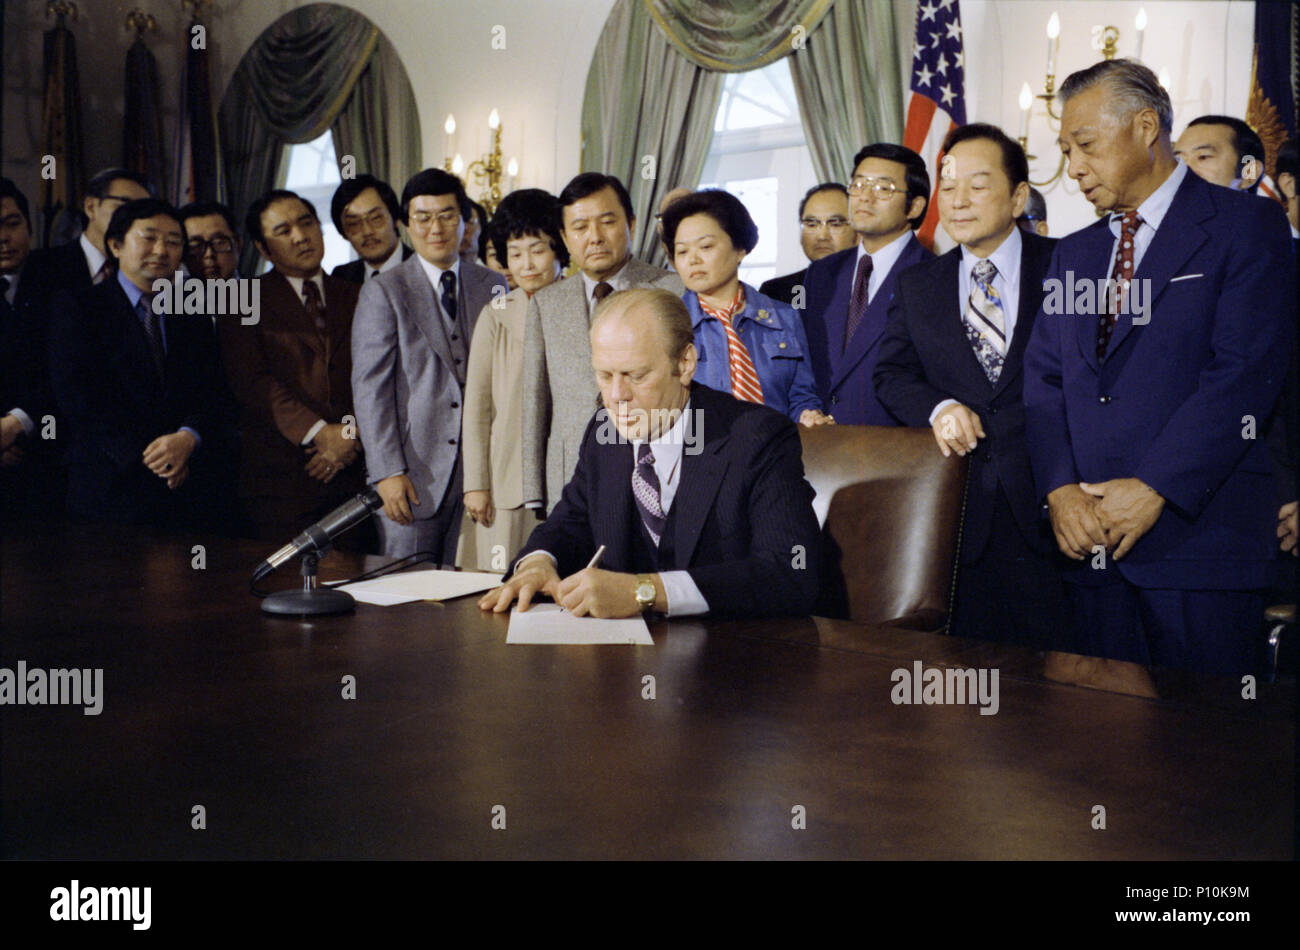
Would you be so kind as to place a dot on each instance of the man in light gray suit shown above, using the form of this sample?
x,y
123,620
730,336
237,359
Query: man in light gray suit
x,y
410,348
559,390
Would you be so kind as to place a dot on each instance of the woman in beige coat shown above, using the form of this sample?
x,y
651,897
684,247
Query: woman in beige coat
x,y
525,232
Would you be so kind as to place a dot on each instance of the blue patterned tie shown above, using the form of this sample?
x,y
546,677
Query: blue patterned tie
x,y
448,280
986,321
645,489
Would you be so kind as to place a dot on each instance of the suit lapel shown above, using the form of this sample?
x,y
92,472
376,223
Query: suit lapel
x,y
836,317
944,320
700,478
1179,236
421,304
873,322
286,302
617,506
1034,257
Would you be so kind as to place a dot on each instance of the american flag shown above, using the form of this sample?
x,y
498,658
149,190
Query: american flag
x,y
937,102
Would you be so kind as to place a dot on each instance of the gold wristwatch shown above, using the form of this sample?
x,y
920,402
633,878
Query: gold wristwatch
x,y
645,592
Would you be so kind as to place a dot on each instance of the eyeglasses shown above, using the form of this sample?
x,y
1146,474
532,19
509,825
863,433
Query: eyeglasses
x,y
816,224
882,189
445,219
220,244
376,220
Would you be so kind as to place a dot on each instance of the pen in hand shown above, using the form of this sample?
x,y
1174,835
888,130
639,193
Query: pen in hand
x,y
595,558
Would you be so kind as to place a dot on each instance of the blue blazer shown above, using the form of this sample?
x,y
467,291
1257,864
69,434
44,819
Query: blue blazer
x,y
1168,403
774,336
844,374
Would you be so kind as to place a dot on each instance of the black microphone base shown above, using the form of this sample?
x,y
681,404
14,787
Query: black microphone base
x,y
308,603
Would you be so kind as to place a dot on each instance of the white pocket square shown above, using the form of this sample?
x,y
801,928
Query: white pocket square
x,y
1174,280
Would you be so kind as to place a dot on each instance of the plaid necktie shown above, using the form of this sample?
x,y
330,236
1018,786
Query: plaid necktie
x,y
315,306
1120,274
986,320
744,378
645,489
858,300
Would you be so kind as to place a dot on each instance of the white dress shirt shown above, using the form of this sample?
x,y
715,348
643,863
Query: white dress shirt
x,y
882,262
94,256
434,273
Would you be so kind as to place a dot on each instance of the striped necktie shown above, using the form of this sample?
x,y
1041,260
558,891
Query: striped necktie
x,y
986,320
744,378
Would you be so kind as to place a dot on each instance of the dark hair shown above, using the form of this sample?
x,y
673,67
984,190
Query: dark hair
x,y
253,220
435,181
1287,161
1133,87
1014,163
1035,207
133,211
348,192
529,212
101,184
818,189
723,207
587,184
201,209
480,212
918,178
1245,141
10,190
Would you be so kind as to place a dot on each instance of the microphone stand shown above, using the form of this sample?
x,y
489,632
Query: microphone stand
x,y
311,601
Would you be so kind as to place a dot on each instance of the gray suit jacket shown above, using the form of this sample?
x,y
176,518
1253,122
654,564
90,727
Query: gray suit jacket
x,y
559,385
407,378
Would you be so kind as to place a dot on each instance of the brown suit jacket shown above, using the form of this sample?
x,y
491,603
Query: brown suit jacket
x,y
286,377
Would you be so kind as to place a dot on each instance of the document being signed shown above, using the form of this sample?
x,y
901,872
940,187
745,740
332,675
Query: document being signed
x,y
551,623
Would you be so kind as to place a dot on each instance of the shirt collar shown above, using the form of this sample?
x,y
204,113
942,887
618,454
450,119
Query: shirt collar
x,y
673,437
94,256
133,293
1006,258
434,272
394,260
1153,210
729,312
616,281
297,284
884,259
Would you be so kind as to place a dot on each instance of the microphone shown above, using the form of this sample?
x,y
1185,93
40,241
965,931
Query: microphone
x,y
316,538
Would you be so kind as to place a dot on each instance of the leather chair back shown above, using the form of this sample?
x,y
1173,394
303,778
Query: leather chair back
x,y
890,506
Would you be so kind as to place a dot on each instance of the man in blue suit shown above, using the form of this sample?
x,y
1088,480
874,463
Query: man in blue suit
x,y
1145,409
849,291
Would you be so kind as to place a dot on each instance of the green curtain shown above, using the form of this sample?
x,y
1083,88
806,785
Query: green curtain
x,y
647,116
288,89
380,124
735,36
848,80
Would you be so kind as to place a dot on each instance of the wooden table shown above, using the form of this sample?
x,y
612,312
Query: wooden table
x,y
209,703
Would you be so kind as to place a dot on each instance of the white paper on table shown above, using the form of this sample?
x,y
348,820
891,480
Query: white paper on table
x,y
551,623
426,584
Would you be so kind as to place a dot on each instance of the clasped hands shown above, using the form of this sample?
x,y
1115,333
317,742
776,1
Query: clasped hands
x,y
590,592
330,452
1114,514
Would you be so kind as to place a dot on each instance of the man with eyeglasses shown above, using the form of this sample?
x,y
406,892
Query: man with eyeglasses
x,y
848,292
137,388
365,211
211,242
410,351
824,228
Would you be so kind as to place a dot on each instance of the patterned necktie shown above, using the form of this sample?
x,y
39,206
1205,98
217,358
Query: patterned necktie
x,y
152,330
858,300
448,281
599,293
645,489
100,274
744,378
315,306
1120,274
986,320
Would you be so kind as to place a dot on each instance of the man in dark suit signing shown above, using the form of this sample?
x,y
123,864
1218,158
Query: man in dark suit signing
x,y
291,373
951,359
698,498
849,292
1145,407
139,388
